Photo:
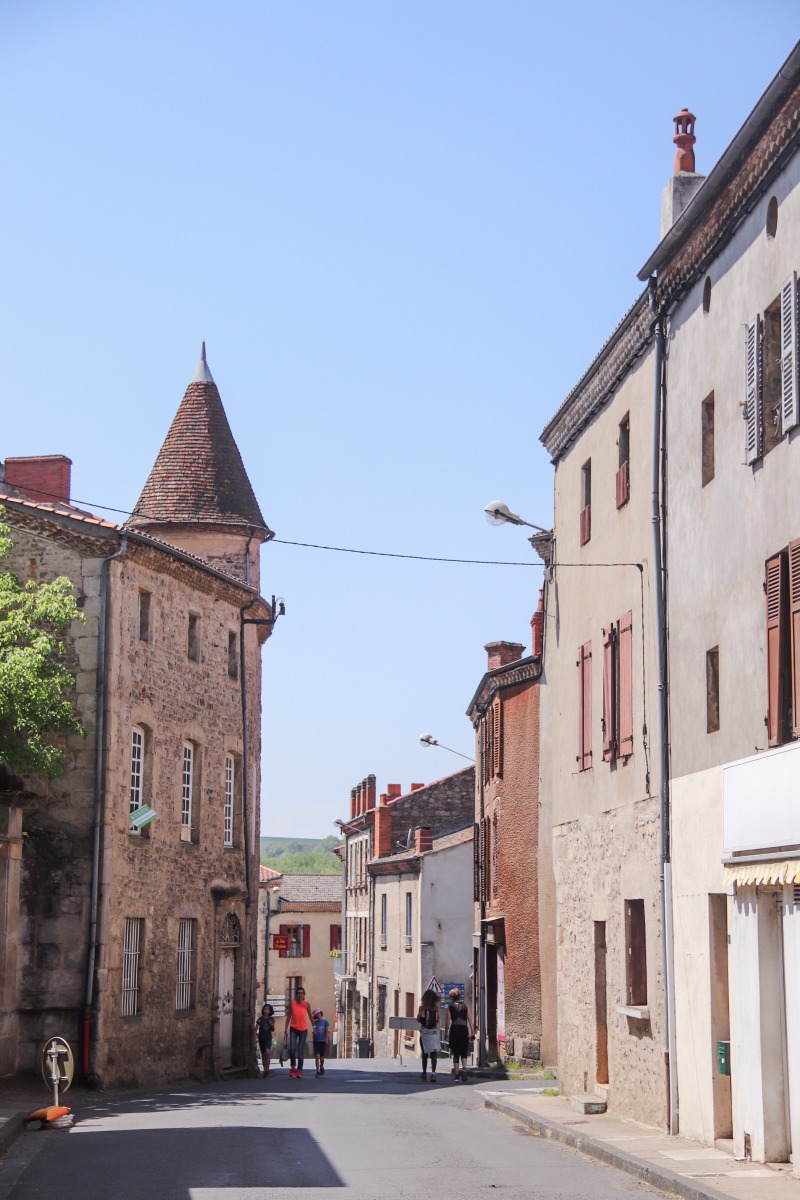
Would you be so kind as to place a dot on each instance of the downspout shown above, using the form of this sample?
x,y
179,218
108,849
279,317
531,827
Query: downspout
x,y
97,827
483,1049
665,871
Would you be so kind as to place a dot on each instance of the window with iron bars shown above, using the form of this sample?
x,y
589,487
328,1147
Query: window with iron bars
x,y
184,991
227,817
131,965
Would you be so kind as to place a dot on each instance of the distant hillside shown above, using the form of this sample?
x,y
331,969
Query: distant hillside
x,y
301,856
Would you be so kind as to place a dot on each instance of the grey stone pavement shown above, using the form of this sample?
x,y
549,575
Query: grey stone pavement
x,y
370,1128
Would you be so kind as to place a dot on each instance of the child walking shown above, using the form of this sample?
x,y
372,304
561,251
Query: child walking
x,y
322,1030
265,1028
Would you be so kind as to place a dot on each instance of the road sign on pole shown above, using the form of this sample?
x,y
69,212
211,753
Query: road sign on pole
x,y
435,986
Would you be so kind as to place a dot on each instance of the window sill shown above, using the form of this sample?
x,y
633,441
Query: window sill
x,y
637,1012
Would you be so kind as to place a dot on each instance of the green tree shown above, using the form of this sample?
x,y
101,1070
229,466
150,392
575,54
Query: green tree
x,y
34,682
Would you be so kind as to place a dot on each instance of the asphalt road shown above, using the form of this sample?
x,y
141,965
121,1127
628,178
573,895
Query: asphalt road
x,y
367,1131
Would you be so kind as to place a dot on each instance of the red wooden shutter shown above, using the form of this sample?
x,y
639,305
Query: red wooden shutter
x,y
623,484
790,400
497,739
794,630
306,941
284,929
609,693
336,937
585,707
776,605
625,689
752,393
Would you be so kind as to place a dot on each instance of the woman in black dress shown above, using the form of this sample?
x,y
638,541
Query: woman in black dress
x,y
459,1028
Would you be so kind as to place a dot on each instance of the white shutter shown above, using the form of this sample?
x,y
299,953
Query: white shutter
x,y
790,416
752,393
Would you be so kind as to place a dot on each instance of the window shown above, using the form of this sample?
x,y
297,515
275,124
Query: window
x,y
495,873
193,638
227,810
707,439
408,1034
190,793
586,503
144,617
707,294
477,863
636,953
380,1019
384,920
184,991
336,937
712,690
492,740
299,941
131,965
233,656
584,665
139,790
617,722
772,217
486,845
772,394
293,982
782,585
624,468
409,927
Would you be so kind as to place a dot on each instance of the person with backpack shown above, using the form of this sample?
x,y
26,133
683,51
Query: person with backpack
x,y
460,1029
430,1039
322,1035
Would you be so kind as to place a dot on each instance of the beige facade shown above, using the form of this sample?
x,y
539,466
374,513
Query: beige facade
x,y
599,733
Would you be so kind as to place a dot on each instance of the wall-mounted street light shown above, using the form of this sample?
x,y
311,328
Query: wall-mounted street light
x,y
498,513
427,739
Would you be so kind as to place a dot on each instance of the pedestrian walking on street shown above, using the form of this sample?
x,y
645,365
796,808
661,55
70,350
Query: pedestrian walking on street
x,y
298,1022
460,1028
321,1038
265,1028
429,1036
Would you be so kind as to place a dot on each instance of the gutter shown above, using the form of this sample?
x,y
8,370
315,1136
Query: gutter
x,y
744,141
100,703
665,864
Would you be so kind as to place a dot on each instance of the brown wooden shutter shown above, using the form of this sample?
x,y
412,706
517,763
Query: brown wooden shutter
x,y
625,689
481,862
497,741
635,941
609,693
476,862
585,707
487,857
306,941
284,929
776,607
794,631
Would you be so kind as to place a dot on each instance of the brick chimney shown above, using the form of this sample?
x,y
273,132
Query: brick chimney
x,y
415,787
383,831
353,802
369,787
42,477
423,839
393,790
502,653
537,628
685,181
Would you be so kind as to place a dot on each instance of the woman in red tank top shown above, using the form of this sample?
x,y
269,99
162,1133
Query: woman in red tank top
x,y
298,1022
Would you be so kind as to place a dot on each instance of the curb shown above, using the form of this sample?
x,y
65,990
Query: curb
x,y
660,1177
11,1126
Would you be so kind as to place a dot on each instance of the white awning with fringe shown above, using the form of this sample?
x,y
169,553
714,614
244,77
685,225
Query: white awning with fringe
x,y
748,874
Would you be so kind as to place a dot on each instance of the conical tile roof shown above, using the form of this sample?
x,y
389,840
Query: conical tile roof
x,y
199,476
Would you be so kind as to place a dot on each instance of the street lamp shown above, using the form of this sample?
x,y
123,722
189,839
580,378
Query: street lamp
x,y
427,739
498,513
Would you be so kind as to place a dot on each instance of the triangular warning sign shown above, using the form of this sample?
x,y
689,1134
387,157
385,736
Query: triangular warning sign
x,y
435,986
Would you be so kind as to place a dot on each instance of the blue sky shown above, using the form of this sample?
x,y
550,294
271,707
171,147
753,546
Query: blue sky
x,y
404,230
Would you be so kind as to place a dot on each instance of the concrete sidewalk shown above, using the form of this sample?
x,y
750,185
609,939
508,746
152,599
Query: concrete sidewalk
x,y
674,1164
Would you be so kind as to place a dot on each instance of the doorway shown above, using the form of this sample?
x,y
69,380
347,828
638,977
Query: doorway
x,y
720,1014
226,977
600,1003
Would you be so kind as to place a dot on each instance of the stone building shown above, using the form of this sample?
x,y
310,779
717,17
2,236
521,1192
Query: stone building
x,y
725,282
306,911
133,937
514,942
378,827
600,733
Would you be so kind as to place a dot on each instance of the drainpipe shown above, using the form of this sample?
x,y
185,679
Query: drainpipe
x,y
97,828
483,1048
665,874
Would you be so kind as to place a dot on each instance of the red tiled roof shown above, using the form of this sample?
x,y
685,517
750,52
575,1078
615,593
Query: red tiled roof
x,y
199,475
